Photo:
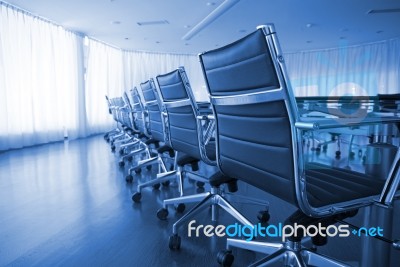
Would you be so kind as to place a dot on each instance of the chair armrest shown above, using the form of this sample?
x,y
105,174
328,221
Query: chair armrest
x,y
204,108
206,117
124,109
206,131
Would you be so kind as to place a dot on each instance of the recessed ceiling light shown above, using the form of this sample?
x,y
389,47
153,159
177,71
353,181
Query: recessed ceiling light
x,y
309,25
186,44
126,38
342,37
380,31
152,22
242,31
157,42
115,22
308,42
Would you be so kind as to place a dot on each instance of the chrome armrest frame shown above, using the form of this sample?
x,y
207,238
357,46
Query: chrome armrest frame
x,y
202,136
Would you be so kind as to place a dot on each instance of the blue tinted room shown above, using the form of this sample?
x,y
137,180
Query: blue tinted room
x,y
200,133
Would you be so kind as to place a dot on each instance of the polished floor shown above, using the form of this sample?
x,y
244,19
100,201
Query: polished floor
x,y
67,204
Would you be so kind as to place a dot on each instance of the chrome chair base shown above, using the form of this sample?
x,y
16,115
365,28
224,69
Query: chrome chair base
x,y
284,254
213,199
163,177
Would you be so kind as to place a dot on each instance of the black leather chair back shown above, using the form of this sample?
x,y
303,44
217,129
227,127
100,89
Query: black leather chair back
x,y
181,116
127,112
254,134
138,112
152,105
118,103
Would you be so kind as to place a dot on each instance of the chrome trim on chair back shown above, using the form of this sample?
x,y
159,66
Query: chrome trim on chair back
x,y
154,109
139,113
174,102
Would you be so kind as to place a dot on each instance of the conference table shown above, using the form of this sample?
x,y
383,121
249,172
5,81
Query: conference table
x,y
377,120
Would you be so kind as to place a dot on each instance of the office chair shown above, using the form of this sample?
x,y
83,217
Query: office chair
x,y
259,141
118,111
139,129
111,108
152,123
387,103
127,115
194,144
127,138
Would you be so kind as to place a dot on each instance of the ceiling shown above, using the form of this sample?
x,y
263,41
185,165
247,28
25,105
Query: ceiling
x,y
301,24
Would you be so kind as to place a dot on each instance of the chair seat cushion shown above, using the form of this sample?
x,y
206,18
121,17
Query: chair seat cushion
x,y
165,148
329,185
183,159
218,179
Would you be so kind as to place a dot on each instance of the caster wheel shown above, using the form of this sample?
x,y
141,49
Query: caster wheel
x,y
174,242
200,190
129,178
166,183
162,214
107,139
200,184
318,149
121,163
138,171
352,154
149,167
324,148
225,258
180,208
130,158
360,153
113,148
136,197
263,216
337,153
121,152
156,186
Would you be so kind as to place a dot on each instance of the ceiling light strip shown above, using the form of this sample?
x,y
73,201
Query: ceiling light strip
x,y
383,11
221,9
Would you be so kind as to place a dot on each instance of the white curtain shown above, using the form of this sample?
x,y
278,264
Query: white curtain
x,y
104,76
366,69
40,81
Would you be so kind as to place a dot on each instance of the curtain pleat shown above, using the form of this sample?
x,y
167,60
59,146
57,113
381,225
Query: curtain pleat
x,y
366,69
40,81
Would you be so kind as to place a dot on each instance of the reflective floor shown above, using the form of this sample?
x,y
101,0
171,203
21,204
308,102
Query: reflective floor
x,y
67,204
